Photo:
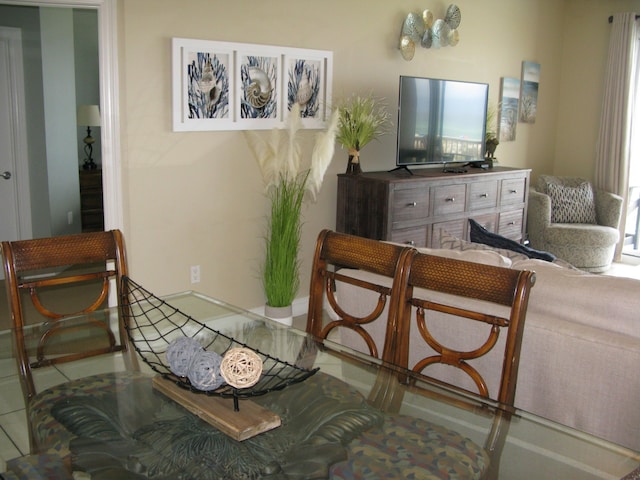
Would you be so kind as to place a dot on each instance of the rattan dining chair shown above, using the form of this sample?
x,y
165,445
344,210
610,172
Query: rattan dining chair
x,y
338,250
35,272
451,317
461,296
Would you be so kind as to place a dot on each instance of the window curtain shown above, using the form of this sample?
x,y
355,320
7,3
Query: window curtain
x,y
613,146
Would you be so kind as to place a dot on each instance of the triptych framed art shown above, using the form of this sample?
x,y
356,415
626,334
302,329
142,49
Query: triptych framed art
x,y
238,86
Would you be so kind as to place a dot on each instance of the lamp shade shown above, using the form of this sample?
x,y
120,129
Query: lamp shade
x,y
89,115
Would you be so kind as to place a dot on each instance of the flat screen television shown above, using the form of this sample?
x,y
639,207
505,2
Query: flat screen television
x,y
441,122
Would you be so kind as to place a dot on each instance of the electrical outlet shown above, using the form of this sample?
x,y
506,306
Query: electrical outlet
x,y
70,218
195,274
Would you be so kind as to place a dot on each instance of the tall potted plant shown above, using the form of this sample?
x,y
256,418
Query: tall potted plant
x,y
288,183
362,119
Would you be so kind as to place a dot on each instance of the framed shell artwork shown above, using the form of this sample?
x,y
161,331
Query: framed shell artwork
x,y
238,86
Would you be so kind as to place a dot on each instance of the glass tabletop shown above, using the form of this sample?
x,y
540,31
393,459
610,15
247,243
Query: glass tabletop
x,y
532,443
359,391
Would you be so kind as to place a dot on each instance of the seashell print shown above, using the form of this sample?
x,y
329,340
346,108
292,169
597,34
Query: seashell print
x,y
206,82
215,93
304,91
259,90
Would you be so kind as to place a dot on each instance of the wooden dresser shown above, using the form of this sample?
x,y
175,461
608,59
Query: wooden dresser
x,y
91,203
412,209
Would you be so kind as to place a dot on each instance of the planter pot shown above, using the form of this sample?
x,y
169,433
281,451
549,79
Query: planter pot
x,y
283,315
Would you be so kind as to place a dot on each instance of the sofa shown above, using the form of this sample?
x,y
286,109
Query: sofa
x,y
581,342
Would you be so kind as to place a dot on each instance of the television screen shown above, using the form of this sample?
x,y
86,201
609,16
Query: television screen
x,y
440,121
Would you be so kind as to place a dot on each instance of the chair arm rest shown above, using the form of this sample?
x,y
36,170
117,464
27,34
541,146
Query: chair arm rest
x,y
538,217
608,208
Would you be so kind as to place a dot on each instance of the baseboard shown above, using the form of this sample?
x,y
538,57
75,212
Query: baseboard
x,y
299,306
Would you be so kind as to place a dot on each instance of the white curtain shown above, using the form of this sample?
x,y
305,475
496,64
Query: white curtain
x,y
614,139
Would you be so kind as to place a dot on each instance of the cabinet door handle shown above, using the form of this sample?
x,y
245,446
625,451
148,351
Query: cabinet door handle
x,y
450,199
513,191
411,204
511,223
410,242
484,195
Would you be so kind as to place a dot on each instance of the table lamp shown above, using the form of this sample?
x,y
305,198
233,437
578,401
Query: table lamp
x,y
89,116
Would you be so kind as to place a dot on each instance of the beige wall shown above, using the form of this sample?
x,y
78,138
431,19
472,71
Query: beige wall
x,y
197,198
584,57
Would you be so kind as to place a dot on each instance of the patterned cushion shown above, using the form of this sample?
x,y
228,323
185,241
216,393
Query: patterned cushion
x,y
406,447
572,204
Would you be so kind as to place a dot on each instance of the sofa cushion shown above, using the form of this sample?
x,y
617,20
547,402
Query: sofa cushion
x,y
479,234
572,204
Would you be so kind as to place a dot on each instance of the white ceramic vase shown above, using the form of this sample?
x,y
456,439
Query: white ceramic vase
x,y
283,315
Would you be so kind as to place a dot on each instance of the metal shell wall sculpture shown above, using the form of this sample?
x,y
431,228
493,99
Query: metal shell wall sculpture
x,y
422,29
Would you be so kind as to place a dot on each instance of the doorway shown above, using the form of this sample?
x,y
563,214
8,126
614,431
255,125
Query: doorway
x,y
15,214
108,103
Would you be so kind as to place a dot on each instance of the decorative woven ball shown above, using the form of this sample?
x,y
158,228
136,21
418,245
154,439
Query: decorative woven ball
x,y
204,373
241,367
180,352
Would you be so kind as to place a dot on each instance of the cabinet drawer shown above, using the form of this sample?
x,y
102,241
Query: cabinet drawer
x,y
449,199
483,195
454,228
410,204
416,237
512,191
510,224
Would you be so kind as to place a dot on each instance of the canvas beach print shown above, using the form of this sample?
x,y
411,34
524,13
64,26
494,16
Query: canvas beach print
x,y
508,113
529,92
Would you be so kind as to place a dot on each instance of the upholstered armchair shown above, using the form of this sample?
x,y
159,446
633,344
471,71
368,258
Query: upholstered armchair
x,y
574,221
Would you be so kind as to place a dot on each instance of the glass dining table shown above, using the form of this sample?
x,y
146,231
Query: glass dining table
x,y
348,416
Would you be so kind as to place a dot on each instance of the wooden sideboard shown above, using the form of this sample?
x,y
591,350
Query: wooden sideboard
x,y
413,209
91,203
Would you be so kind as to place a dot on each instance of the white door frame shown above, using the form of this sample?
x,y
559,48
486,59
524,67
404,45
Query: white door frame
x,y
109,100
19,158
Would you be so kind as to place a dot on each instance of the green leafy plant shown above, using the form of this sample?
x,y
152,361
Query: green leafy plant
x,y
280,276
361,120
288,183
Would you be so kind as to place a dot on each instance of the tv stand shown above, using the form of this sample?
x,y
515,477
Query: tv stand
x,y
416,209
401,167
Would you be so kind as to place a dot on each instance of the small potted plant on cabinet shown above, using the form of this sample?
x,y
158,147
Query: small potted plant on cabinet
x,y
361,120
491,135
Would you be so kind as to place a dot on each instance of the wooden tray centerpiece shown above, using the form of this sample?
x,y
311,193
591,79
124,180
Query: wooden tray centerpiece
x,y
171,343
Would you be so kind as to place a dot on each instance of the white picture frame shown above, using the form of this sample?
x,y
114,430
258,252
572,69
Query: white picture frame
x,y
212,85
307,75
